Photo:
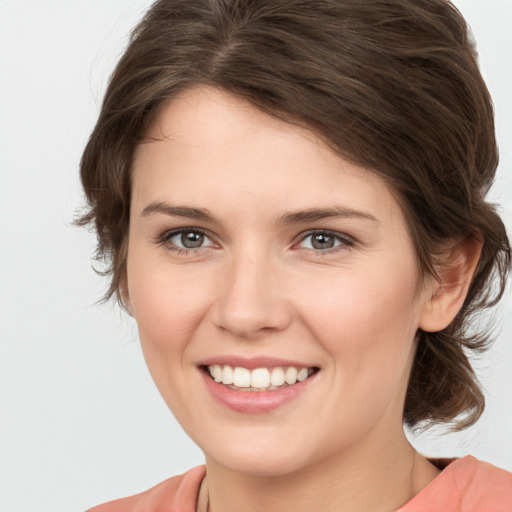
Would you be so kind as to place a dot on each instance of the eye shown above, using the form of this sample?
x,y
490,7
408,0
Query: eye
x,y
187,239
325,241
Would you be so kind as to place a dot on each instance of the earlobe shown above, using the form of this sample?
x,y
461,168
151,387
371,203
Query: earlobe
x,y
447,293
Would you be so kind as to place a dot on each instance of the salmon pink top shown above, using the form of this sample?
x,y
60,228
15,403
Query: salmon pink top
x,y
464,485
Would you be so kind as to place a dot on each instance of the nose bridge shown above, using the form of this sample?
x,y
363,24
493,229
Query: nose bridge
x,y
251,301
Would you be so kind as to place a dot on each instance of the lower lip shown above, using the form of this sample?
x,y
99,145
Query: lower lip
x,y
254,402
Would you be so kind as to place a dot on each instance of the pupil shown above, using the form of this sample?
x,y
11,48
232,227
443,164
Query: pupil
x,y
192,240
323,241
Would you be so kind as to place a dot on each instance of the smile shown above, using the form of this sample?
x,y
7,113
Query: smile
x,y
258,379
257,384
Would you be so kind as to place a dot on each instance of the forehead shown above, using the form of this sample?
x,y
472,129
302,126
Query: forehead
x,y
211,119
211,147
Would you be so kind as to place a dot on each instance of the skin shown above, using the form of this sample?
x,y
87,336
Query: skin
x,y
257,287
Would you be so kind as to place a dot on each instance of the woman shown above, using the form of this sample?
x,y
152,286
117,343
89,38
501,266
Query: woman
x,y
290,195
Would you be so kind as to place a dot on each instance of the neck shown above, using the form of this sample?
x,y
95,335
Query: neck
x,y
381,478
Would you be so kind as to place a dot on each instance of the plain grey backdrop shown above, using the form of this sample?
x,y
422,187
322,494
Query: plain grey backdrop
x,y
80,419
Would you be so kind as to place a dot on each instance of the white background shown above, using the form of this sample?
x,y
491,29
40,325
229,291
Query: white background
x,y
80,419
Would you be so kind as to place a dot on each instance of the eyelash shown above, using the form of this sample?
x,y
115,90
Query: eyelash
x,y
345,241
165,238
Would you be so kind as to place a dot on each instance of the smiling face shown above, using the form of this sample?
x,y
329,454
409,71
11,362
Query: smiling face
x,y
253,246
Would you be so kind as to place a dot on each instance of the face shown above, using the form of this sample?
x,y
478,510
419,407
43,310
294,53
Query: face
x,y
259,256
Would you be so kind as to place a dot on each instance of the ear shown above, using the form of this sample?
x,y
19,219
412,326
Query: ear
x,y
447,294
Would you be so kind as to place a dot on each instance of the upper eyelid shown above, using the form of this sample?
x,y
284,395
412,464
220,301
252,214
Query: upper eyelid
x,y
335,234
164,240
168,234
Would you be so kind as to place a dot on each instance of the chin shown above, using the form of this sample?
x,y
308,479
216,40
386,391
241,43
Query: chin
x,y
259,465
261,457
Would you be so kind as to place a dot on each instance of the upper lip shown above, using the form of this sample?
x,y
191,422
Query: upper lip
x,y
253,362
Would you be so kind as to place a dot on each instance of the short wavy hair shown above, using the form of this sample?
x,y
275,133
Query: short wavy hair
x,y
390,85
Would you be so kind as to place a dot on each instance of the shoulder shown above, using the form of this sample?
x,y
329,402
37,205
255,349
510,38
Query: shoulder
x,y
485,485
466,485
176,494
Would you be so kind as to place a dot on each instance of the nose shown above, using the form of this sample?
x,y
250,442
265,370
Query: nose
x,y
251,300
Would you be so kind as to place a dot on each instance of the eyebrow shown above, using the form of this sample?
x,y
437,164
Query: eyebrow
x,y
179,211
298,217
315,214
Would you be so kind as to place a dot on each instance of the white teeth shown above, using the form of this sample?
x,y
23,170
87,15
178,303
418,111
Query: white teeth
x,y
291,375
241,377
277,377
217,373
227,375
302,374
259,379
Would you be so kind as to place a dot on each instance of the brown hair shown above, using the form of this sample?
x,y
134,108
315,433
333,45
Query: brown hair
x,y
391,85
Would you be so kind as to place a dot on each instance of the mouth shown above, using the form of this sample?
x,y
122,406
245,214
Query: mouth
x,y
261,379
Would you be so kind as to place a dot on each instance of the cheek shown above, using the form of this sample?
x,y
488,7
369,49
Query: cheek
x,y
367,324
168,308
369,336
363,302
167,304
